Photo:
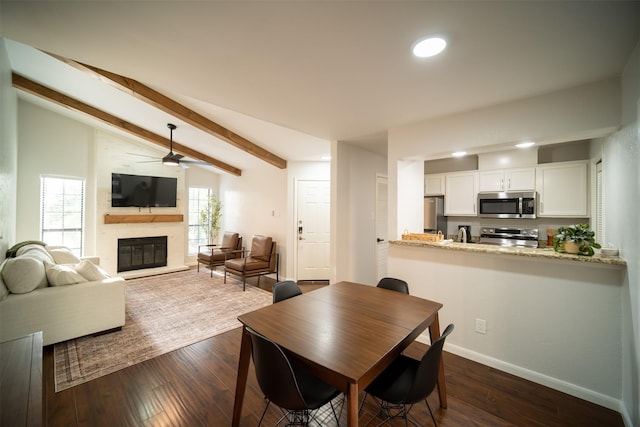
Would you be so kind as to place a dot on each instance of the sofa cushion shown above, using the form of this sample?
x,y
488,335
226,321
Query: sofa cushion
x,y
24,274
4,291
90,271
61,275
63,256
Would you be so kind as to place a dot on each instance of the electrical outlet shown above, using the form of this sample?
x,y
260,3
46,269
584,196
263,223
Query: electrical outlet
x,y
481,326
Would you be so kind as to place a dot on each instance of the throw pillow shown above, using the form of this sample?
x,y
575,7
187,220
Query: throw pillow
x,y
63,256
12,251
61,275
90,271
24,274
35,251
4,291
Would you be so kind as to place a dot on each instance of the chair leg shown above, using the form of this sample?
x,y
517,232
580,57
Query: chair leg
x,y
265,411
362,402
432,417
225,275
244,283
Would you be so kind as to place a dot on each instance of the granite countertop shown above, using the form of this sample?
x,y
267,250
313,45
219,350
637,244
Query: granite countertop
x,y
547,253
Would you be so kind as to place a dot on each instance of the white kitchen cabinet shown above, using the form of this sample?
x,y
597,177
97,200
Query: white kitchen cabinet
x,y
461,190
434,184
562,189
520,179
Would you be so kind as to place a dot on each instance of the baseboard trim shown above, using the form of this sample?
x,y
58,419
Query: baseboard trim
x,y
545,380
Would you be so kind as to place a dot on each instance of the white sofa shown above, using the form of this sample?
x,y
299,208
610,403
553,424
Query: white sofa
x,y
48,289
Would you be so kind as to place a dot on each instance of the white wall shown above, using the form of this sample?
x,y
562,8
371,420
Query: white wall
x,y
577,113
354,208
621,180
8,153
256,203
50,144
551,322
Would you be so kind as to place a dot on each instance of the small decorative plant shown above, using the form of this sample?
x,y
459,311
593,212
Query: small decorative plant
x,y
576,238
210,217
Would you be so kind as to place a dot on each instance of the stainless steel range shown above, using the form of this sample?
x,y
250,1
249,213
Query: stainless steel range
x,y
520,237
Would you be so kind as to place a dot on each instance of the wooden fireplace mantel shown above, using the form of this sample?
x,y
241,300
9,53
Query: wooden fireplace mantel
x,y
138,219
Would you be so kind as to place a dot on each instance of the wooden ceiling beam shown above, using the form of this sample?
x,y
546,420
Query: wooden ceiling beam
x,y
166,104
34,88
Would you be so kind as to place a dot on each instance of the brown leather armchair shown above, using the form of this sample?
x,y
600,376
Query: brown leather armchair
x,y
214,255
260,260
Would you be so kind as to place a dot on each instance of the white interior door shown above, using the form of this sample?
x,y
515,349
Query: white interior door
x,y
313,233
382,242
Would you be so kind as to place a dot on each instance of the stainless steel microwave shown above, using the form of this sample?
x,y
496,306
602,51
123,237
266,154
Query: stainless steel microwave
x,y
507,205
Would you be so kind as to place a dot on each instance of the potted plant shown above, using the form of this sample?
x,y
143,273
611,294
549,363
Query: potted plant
x,y
210,217
575,239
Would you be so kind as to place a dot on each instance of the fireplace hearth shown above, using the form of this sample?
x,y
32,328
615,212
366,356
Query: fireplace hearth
x,y
142,252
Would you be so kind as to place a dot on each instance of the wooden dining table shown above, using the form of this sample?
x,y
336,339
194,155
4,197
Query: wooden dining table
x,y
346,333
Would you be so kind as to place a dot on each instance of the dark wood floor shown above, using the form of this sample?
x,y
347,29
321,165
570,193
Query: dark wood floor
x,y
194,386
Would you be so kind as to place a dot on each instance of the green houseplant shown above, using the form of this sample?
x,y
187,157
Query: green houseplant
x,y
577,239
210,217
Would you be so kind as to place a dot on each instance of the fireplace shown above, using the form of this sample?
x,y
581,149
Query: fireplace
x,y
142,252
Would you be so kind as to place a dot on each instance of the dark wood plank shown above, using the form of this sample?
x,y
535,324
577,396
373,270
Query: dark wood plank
x,y
21,381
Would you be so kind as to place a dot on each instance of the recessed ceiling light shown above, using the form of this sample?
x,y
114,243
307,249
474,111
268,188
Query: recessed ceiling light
x,y
459,154
429,46
526,144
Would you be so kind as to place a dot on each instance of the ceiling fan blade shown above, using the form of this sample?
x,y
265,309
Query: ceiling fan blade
x,y
144,155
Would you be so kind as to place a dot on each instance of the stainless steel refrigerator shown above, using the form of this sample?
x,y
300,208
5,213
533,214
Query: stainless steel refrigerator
x,y
434,219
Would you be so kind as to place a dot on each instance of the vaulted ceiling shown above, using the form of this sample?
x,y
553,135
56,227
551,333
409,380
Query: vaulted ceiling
x,y
291,76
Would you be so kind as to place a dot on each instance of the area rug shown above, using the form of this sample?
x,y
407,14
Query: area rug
x,y
163,313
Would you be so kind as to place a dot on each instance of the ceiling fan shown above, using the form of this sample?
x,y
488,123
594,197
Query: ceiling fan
x,y
173,159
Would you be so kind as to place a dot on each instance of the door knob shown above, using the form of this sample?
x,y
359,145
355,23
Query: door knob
x,y
379,240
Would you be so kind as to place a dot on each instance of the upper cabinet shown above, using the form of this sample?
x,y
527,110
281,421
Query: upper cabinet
x,y
434,185
562,189
523,179
461,189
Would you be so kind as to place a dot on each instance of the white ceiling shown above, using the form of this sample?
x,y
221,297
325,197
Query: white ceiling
x,y
292,76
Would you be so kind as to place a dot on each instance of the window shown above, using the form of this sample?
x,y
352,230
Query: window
x,y
62,212
198,233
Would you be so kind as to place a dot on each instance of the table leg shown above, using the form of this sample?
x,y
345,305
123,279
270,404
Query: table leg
x,y
352,405
434,334
243,373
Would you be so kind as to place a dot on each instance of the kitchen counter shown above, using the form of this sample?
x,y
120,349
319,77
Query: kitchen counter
x,y
544,253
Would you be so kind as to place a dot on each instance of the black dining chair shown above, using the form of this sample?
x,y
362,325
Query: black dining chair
x,y
285,290
394,284
407,381
289,385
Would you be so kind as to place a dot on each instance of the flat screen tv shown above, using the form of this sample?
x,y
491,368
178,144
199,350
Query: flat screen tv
x,y
143,191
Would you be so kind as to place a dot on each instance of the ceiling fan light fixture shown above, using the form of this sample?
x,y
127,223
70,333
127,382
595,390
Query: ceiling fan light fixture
x,y
169,160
